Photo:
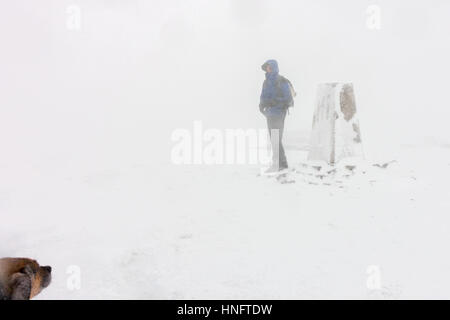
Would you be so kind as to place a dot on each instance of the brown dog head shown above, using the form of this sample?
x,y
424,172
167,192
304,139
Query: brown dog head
x,y
40,278
23,278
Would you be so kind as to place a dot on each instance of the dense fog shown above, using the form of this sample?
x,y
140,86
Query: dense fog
x,y
91,92
84,80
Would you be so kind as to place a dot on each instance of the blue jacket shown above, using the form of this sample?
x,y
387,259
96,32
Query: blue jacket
x,y
275,94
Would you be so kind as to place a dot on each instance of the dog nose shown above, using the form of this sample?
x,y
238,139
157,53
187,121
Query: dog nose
x,y
48,269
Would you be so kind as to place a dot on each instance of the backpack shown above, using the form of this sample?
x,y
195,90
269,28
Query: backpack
x,y
281,80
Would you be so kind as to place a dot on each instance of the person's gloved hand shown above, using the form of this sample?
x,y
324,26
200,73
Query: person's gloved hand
x,y
262,109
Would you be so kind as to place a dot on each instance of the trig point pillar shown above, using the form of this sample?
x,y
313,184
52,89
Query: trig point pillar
x,y
335,130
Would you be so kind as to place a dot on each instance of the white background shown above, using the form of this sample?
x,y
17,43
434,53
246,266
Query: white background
x,y
86,118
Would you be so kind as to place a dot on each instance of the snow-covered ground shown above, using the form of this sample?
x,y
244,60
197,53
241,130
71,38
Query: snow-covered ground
x,y
92,91
146,231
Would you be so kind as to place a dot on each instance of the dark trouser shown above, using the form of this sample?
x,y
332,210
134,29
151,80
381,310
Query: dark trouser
x,y
275,124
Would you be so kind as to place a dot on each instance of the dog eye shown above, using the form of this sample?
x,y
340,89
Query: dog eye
x,y
48,269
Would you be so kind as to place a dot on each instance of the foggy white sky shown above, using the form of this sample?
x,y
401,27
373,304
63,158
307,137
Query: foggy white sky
x,y
137,70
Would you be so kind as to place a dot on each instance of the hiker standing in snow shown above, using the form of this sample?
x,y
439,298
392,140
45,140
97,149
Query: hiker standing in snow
x,y
276,98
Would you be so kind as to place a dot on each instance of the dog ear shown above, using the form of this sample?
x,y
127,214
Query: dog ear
x,y
20,286
3,295
28,270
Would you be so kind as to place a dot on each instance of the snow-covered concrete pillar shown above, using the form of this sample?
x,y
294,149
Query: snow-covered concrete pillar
x,y
335,130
